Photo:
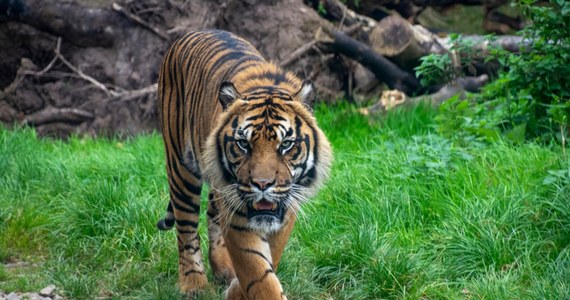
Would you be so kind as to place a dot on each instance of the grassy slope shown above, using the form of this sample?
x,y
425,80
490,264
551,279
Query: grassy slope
x,y
405,215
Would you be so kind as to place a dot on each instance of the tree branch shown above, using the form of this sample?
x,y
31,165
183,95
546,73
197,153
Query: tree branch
x,y
138,20
53,115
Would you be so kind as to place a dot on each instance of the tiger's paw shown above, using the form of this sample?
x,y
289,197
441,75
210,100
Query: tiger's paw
x,y
234,291
192,284
225,272
221,263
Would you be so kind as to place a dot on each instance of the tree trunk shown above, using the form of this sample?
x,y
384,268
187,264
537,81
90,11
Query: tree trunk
x,y
396,38
68,19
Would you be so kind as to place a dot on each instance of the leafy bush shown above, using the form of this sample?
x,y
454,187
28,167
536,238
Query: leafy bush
x,y
531,96
444,68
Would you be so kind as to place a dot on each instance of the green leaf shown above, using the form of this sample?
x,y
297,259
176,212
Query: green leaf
x,y
517,134
549,180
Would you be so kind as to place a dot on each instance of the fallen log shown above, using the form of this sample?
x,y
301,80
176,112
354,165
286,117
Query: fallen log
x,y
58,115
385,70
394,98
511,43
403,43
68,19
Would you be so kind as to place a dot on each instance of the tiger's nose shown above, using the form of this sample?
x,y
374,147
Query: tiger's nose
x,y
262,183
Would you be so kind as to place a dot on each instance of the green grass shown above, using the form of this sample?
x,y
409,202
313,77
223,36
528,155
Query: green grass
x,y
406,215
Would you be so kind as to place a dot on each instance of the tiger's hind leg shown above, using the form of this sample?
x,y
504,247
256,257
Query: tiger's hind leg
x,y
185,188
218,252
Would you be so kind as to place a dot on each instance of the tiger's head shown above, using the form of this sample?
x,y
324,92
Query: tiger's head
x,y
266,155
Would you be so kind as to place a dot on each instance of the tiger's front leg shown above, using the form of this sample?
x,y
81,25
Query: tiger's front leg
x,y
185,189
220,260
255,257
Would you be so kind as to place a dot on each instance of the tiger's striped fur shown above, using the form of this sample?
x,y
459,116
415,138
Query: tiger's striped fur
x,y
244,126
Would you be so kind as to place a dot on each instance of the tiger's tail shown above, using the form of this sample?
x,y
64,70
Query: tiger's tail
x,y
167,222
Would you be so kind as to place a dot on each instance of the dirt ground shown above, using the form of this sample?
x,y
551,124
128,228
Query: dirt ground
x,y
124,56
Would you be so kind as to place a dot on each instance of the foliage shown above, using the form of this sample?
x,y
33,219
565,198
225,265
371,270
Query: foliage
x,y
531,96
434,69
407,214
444,68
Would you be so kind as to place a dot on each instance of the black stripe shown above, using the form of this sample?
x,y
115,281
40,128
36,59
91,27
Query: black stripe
x,y
259,254
250,285
177,98
212,216
194,209
300,140
186,223
245,63
168,71
193,272
276,77
190,247
196,190
227,175
309,177
239,228
240,214
224,59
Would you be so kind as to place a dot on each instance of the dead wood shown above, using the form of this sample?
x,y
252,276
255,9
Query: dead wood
x,y
384,69
297,53
68,19
109,58
395,98
108,61
58,115
457,87
79,74
375,10
340,14
163,35
403,43
511,43
134,94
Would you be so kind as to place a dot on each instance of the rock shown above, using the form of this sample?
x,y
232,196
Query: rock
x,y
35,296
48,291
32,296
13,296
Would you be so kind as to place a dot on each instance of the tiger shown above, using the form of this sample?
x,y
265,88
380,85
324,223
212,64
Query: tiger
x,y
246,128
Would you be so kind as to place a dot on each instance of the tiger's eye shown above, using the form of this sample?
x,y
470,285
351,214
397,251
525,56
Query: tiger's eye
x,y
287,145
243,144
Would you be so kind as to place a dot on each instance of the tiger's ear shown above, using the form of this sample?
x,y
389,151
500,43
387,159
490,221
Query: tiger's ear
x,y
228,94
307,94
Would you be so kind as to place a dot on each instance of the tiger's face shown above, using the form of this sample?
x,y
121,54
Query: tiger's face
x,y
267,154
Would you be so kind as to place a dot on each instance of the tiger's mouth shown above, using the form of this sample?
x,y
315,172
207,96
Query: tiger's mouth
x,y
265,208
